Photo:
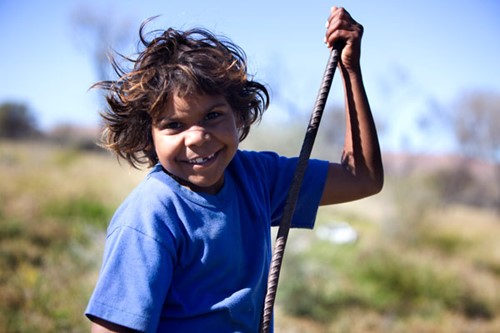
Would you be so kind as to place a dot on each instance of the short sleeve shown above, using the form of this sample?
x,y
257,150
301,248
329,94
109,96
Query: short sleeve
x,y
277,174
133,281
310,193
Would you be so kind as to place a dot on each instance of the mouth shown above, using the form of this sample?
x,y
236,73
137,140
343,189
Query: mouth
x,y
202,160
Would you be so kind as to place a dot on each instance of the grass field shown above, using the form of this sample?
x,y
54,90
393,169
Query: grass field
x,y
418,265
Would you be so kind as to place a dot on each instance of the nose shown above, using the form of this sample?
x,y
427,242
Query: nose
x,y
196,136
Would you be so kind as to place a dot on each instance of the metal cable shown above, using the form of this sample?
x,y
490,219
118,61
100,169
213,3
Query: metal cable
x,y
293,192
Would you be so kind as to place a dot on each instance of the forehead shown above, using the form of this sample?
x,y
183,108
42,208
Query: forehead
x,y
192,104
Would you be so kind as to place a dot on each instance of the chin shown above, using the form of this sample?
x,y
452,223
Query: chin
x,y
206,186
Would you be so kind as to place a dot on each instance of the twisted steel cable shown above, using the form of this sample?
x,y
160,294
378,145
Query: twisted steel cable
x,y
293,192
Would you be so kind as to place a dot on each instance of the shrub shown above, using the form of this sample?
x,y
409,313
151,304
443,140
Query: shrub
x,y
17,121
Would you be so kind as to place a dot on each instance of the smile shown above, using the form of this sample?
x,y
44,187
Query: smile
x,y
201,160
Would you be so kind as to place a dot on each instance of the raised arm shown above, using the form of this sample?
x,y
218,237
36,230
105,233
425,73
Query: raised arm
x,y
360,172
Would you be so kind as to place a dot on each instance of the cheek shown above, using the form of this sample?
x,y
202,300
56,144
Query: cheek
x,y
163,148
231,135
234,126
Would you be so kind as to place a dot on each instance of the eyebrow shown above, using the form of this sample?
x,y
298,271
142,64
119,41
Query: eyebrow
x,y
173,118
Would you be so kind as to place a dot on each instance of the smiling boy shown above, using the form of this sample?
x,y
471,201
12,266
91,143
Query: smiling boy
x,y
189,249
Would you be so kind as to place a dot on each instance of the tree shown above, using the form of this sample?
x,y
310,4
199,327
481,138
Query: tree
x,y
17,121
476,126
476,123
96,31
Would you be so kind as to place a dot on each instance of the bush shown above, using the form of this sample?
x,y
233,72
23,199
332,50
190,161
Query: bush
x,y
327,280
17,122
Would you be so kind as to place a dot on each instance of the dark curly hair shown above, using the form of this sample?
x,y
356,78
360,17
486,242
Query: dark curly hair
x,y
175,62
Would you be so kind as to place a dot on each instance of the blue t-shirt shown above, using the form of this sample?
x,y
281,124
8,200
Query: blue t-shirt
x,y
181,261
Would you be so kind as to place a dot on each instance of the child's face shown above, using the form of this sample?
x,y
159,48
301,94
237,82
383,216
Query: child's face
x,y
195,138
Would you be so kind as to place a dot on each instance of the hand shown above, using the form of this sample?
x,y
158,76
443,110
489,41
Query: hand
x,y
344,32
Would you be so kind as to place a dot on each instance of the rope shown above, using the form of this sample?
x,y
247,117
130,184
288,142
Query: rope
x,y
293,193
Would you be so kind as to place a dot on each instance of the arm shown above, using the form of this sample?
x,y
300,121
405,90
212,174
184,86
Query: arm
x,y
102,326
360,172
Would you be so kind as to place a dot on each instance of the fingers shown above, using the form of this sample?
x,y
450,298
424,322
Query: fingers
x,y
341,28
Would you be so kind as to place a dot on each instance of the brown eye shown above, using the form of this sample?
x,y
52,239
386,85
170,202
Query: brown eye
x,y
212,115
173,125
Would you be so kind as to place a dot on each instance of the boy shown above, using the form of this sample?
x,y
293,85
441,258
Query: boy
x,y
189,249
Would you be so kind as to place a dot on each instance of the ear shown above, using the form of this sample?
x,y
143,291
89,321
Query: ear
x,y
240,121
150,149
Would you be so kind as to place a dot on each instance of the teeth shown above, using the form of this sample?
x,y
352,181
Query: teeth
x,y
201,160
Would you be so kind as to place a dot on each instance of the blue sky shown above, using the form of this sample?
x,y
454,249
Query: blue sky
x,y
416,54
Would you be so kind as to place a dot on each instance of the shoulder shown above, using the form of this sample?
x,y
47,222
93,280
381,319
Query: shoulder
x,y
252,166
148,208
271,170
253,160
152,193
269,162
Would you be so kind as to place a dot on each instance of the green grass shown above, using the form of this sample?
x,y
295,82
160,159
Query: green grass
x,y
55,203
440,275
